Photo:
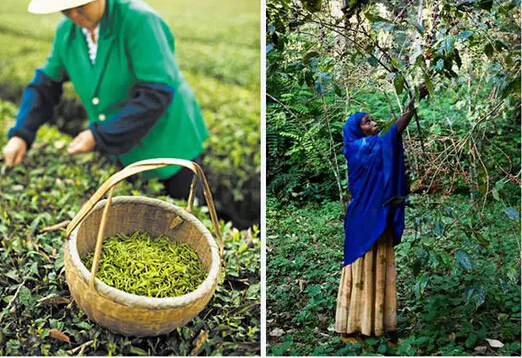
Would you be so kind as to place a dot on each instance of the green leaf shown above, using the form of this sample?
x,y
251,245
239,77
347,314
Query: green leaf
x,y
309,78
421,340
371,341
480,239
419,28
385,129
429,84
512,86
494,191
475,295
513,214
313,64
436,129
372,61
456,56
280,349
422,254
34,224
472,339
438,228
375,18
84,325
488,50
386,26
439,65
138,351
485,4
25,296
465,34
308,56
313,5
398,83
464,259
499,185
383,348
501,45
416,267
482,332
449,44
319,87
420,285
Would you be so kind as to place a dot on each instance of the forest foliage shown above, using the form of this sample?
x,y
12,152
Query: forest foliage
x,y
321,68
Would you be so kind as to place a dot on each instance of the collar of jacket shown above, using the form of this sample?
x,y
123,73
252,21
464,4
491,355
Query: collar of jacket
x,y
105,41
106,22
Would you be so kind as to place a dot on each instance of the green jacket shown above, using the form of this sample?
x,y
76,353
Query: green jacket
x,y
134,45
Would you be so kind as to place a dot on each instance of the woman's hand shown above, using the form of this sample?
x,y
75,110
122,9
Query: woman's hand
x,y
82,143
14,151
404,119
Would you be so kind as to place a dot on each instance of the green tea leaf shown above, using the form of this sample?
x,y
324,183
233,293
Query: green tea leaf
x,y
138,351
25,296
146,266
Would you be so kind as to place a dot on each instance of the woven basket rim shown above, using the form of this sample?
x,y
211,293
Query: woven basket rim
x,y
151,302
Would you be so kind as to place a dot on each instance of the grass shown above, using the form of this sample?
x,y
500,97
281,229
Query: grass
x,y
454,290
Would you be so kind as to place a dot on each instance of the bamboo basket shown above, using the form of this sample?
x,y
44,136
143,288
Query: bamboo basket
x,y
119,311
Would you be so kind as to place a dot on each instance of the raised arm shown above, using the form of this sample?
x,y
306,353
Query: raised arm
x,y
404,119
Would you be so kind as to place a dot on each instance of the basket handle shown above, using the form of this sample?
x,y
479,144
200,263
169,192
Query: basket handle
x,y
135,168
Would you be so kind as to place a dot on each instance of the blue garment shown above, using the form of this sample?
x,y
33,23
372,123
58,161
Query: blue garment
x,y
38,101
118,135
377,184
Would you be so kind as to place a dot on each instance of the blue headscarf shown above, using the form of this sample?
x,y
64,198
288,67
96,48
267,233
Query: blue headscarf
x,y
377,184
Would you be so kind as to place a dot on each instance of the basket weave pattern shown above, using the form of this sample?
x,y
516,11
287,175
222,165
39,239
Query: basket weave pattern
x,y
126,313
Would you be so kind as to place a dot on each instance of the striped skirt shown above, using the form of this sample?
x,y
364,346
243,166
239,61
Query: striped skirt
x,y
367,298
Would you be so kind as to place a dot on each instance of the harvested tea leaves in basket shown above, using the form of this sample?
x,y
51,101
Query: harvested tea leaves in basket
x,y
145,266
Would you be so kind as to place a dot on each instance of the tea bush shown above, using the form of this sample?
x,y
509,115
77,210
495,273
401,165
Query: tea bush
x,y
36,308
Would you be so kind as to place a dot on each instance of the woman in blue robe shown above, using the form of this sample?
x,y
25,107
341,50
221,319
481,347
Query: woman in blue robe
x,y
373,224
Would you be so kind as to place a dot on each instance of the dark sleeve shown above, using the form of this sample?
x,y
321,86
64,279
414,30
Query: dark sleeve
x,y
38,100
124,130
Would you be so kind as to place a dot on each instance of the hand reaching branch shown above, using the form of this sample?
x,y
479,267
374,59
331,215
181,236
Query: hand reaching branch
x,y
404,119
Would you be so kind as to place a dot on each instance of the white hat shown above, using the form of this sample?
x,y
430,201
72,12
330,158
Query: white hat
x,y
49,6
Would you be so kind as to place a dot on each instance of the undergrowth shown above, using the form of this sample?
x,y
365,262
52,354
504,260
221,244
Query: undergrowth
x,y
458,280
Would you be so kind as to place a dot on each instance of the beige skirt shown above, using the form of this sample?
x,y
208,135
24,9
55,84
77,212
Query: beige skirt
x,y
367,298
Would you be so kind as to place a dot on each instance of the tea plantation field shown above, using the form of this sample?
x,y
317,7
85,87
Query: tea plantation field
x,y
217,47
